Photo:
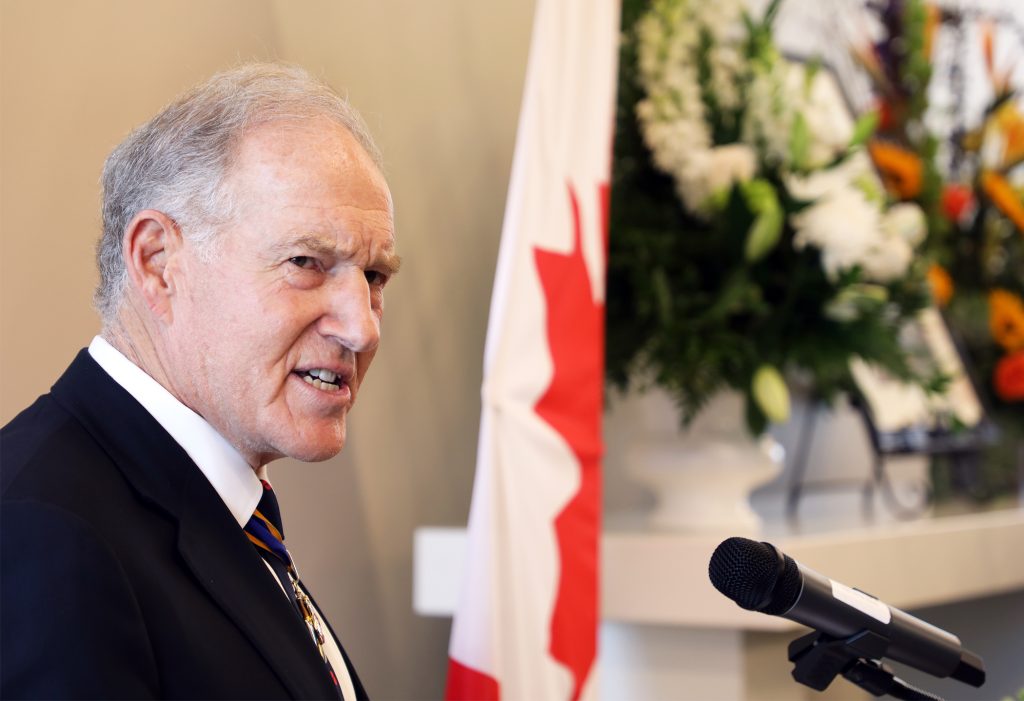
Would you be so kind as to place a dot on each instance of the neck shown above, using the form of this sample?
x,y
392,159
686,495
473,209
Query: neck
x,y
139,339
136,343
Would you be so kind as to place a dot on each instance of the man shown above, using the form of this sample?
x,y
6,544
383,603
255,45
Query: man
x,y
247,239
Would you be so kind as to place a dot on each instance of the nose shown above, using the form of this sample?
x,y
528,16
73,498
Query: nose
x,y
349,316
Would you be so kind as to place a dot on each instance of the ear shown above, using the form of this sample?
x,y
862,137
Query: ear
x,y
151,241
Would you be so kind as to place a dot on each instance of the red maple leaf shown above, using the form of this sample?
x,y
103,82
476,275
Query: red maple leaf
x,y
572,406
468,684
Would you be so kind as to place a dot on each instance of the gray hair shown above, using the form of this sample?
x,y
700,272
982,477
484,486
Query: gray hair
x,y
177,161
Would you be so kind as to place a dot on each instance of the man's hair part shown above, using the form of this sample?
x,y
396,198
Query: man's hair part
x,y
178,162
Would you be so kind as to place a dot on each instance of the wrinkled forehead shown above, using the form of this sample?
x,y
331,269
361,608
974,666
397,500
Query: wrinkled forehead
x,y
314,156
301,179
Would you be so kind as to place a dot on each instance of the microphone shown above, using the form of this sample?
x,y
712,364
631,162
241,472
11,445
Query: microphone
x,y
759,577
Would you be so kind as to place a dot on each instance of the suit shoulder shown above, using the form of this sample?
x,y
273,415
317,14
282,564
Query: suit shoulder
x,y
41,449
60,582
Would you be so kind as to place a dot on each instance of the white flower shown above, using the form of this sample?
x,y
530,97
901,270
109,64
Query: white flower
x,y
849,228
905,221
852,172
900,230
818,184
886,259
726,59
673,122
843,225
824,111
730,164
726,64
768,119
673,116
692,183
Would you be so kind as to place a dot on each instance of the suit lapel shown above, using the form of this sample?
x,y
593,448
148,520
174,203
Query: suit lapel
x,y
209,539
236,577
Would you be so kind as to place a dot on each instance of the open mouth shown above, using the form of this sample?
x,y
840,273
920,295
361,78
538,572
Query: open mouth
x,y
321,379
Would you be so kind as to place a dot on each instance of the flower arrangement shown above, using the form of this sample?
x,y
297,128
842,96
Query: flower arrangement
x,y
750,235
972,190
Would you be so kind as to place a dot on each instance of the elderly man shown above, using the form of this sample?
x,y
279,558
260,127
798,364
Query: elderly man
x,y
247,240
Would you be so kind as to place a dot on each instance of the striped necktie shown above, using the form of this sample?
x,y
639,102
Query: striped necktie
x,y
265,531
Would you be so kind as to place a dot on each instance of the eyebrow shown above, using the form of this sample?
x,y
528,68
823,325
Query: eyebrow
x,y
393,263
390,260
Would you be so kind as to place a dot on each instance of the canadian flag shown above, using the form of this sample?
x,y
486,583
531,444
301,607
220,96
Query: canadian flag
x,y
526,625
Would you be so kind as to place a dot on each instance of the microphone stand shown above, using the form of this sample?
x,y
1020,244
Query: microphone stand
x,y
818,658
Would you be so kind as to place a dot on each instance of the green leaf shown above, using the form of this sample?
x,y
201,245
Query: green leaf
x,y
864,129
663,296
718,199
856,300
759,195
811,70
764,233
769,391
800,142
868,184
737,291
766,230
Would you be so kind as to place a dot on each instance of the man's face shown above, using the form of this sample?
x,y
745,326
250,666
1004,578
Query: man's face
x,y
272,334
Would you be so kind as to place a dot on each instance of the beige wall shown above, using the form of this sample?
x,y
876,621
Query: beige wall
x,y
439,82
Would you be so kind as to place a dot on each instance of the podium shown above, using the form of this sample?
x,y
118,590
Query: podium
x,y
666,633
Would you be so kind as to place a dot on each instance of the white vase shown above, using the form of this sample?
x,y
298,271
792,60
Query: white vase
x,y
701,477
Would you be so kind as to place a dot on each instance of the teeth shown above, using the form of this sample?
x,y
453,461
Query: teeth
x,y
321,384
323,374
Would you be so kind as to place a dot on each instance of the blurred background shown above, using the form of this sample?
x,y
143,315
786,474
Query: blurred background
x,y
439,84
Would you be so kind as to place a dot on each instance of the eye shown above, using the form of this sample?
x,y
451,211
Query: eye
x,y
375,277
305,262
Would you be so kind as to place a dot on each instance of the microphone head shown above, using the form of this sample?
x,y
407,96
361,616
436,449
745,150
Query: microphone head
x,y
755,575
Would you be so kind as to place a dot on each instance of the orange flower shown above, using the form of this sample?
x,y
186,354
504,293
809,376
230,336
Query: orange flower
x,y
1003,196
931,25
941,284
901,169
986,48
1006,319
1008,378
1000,80
1009,120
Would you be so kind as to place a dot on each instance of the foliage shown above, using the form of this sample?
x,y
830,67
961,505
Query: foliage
x,y
974,203
747,234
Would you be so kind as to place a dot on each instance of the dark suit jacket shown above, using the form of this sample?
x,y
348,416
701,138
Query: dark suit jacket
x,y
124,575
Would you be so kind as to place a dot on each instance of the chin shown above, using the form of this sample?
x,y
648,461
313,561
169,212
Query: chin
x,y
315,449
306,454
309,439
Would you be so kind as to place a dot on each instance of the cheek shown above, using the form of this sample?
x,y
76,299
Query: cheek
x,y
222,327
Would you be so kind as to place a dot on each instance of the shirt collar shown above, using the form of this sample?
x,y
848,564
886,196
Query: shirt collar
x,y
231,476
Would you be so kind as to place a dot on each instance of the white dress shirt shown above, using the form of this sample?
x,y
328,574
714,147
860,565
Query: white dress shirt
x,y
235,481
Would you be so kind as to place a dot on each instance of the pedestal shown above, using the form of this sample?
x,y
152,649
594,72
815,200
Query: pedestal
x,y
668,634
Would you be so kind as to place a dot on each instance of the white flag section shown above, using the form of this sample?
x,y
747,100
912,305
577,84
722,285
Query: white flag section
x,y
526,625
